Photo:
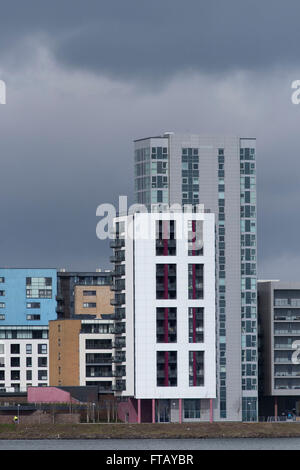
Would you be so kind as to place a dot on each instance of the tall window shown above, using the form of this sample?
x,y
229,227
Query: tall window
x,y
196,325
190,175
165,238
166,325
195,281
196,368
195,237
166,368
166,281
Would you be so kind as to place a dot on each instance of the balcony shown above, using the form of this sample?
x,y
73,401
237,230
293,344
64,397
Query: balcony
x,y
119,359
117,243
283,360
105,388
98,345
117,302
119,345
287,332
99,361
287,303
120,314
286,318
118,286
119,386
287,374
118,257
120,373
99,375
119,330
287,387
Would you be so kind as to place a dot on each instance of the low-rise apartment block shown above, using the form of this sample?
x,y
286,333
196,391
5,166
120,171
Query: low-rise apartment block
x,y
82,353
84,293
27,305
279,313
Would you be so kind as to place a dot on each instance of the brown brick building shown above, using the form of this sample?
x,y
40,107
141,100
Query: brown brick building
x,y
64,352
93,300
84,293
81,352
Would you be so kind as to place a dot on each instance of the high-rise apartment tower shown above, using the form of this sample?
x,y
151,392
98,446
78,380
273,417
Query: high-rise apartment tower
x,y
220,173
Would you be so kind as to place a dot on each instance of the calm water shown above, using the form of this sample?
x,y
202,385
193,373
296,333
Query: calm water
x,y
147,444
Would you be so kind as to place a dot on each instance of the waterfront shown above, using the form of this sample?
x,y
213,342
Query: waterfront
x,y
152,444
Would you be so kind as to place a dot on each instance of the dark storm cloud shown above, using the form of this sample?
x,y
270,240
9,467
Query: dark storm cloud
x,y
85,78
158,39
154,39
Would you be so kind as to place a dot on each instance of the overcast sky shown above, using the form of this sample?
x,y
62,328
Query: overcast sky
x,y
85,78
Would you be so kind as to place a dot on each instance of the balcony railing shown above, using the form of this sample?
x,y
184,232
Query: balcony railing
x,y
116,301
120,373
287,303
99,346
120,314
120,330
119,387
105,389
287,387
119,360
287,332
282,359
99,361
119,344
117,243
287,374
99,375
286,318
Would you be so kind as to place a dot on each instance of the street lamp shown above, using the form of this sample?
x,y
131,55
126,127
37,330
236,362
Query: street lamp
x,y
19,413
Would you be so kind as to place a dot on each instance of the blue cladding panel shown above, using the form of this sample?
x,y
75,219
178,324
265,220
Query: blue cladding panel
x,y
16,301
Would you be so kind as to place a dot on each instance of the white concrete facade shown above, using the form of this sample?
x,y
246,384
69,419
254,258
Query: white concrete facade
x,y
103,377
33,373
141,304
